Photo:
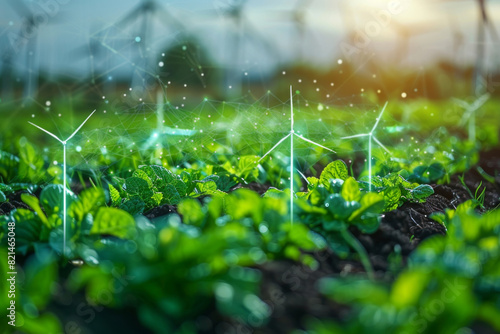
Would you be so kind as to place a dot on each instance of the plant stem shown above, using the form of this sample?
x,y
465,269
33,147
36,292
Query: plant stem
x,y
358,247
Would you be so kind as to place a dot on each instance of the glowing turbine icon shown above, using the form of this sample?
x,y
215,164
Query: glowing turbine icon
x,y
470,113
291,134
64,142
370,137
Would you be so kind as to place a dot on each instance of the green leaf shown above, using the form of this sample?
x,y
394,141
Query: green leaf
x,y
142,175
33,203
138,187
334,170
350,190
115,195
3,198
391,198
422,191
246,167
133,206
41,274
207,187
112,221
52,198
6,189
170,194
191,212
88,202
28,229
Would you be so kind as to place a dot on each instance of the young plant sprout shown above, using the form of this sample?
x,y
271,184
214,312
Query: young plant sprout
x,y
470,113
64,142
291,134
370,137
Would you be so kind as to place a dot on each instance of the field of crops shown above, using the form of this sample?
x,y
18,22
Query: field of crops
x,y
179,221
158,187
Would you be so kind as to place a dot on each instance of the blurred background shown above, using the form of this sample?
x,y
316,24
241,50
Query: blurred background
x,y
226,49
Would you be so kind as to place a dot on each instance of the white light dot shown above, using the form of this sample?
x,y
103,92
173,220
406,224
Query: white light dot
x,y
403,95
48,103
161,64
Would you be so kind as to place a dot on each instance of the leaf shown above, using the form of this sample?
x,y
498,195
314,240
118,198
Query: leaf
x,y
207,187
115,195
170,194
191,211
33,203
3,198
138,187
246,167
370,202
391,198
226,181
133,206
41,274
88,202
6,189
422,191
52,198
28,229
113,221
275,193
334,170
142,175
350,190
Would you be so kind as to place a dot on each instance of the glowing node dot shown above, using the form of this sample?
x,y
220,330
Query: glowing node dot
x,y
32,115
59,115
48,103
161,64
55,162
284,72
78,148
138,39
403,95
339,61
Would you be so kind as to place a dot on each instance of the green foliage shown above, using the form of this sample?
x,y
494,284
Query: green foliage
x,y
86,217
397,190
33,294
451,283
152,186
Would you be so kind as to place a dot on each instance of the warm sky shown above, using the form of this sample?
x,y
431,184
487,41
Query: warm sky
x,y
437,29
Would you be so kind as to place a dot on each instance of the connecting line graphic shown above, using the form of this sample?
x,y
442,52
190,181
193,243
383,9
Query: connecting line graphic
x,y
470,113
370,137
291,134
64,142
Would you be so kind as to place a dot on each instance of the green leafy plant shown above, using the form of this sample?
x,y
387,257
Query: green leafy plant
x,y
152,186
42,225
450,284
478,196
334,204
397,190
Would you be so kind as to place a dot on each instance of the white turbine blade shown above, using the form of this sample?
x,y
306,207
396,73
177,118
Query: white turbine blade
x,y
302,175
310,141
479,102
277,144
47,132
461,103
78,129
473,107
356,136
291,108
381,145
380,116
